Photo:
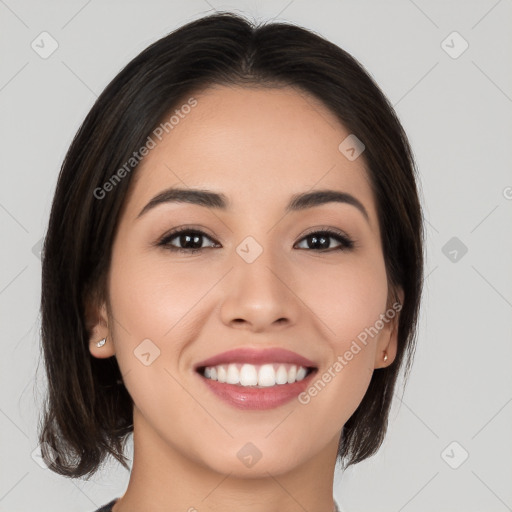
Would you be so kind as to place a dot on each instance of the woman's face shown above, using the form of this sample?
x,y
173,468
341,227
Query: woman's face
x,y
260,279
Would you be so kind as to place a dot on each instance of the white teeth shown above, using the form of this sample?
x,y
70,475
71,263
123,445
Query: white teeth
x,y
248,375
301,373
233,376
281,375
265,375
221,374
292,374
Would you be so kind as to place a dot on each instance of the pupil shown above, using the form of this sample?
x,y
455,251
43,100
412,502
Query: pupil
x,y
190,241
321,242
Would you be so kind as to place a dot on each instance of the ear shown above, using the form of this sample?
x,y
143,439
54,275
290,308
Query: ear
x,y
387,343
96,320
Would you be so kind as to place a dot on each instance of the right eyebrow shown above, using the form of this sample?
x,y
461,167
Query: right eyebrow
x,y
188,195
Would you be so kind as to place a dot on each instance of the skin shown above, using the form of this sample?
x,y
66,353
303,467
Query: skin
x,y
258,147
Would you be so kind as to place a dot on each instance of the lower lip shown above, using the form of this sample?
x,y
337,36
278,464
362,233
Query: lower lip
x,y
257,398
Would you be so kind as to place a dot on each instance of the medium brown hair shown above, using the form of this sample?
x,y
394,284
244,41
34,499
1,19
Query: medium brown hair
x,y
88,414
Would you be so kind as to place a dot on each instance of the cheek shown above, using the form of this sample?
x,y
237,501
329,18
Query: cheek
x,y
349,302
347,298
152,298
153,311
158,308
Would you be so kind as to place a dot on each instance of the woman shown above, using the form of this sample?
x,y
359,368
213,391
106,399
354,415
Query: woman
x,y
232,271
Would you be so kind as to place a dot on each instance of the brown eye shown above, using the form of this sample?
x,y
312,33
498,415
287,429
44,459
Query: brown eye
x,y
186,240
322,241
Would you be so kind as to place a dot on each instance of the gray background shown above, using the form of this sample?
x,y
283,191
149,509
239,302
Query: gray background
x,y
457,113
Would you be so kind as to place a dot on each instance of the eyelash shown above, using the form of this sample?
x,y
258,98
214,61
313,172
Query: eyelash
x,y
346,244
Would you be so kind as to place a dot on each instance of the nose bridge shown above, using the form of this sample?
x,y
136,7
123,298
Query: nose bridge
x,y
256,267
256,293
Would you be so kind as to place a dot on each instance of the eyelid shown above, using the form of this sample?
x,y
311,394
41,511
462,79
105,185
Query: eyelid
x,y
328,229
180,229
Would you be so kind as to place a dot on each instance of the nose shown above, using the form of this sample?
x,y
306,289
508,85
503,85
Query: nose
x,y
259,296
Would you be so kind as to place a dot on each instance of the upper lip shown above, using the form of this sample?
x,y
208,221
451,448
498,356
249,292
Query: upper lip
x,y
257,356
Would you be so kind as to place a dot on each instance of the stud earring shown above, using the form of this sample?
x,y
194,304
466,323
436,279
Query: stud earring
x,y
101,342
385,356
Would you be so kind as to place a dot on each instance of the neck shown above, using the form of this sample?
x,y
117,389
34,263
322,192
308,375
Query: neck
x,y
164,478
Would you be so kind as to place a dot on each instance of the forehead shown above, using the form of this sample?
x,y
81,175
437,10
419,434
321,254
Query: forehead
x,y
251,143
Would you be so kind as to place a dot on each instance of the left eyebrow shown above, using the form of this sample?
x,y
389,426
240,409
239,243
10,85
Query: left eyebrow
x,y
219,201
319,197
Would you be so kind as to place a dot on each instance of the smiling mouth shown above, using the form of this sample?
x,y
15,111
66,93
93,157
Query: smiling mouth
x,y
247,375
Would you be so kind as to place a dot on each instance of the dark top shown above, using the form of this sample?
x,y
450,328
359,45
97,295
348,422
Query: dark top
x,y
108,507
